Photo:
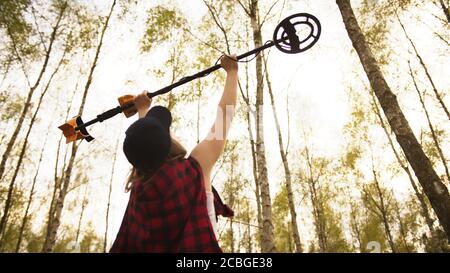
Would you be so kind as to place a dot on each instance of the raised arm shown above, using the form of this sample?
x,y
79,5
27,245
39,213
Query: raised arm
x,y
208,151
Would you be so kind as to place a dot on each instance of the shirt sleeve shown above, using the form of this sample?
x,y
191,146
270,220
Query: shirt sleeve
x,y
220,207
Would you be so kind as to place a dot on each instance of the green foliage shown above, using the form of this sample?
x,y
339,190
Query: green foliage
x,y
226,240
126,6
58,5
372,231
327,220
34,241
80,29
17,29
436,243
162,24
91,242
11,106
357,127
428,144
351,156
246,215
376,28
283,235
376,20
407,238
373,200
381,208
336,241
12,14
233,189
85,29
15,215
331,223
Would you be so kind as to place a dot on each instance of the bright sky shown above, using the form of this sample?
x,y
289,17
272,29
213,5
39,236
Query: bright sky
x,y
315,81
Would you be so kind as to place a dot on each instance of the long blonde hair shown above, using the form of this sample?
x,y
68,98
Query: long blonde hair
x,y
176,151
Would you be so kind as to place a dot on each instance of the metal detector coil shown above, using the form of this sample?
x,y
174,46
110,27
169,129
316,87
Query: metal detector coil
x,y
288,37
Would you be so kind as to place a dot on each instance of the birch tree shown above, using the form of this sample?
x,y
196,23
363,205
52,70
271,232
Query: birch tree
x,y
55,220
432,185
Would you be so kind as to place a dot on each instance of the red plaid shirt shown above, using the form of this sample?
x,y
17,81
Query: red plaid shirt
x,y
168,213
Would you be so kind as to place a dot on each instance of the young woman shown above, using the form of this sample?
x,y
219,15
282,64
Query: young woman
x,y
173,206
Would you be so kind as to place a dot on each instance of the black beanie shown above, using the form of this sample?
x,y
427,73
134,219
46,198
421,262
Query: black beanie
x,y
147,141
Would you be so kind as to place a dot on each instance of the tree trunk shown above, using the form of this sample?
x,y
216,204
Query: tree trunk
x,y
254,160
9,197
56,187
433,187
318,218
317,207
267,235
27,104
55,218
287,171
30,197
422,63
384,213
54,225
57,180
355,228
419,195
84,203
430,125
402,230
445,10
249,237
105,240
231,193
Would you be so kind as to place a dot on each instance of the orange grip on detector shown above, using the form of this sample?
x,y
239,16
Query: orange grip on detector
x,y
126,100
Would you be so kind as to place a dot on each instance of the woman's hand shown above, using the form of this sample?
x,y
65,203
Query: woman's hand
x,y
229,63
142,103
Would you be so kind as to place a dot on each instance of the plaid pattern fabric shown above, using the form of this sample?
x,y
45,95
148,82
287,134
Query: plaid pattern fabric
x,y
168,213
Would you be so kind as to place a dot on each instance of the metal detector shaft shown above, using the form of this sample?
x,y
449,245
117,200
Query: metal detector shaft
x,y
285,38
119,109
207,71
106,115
